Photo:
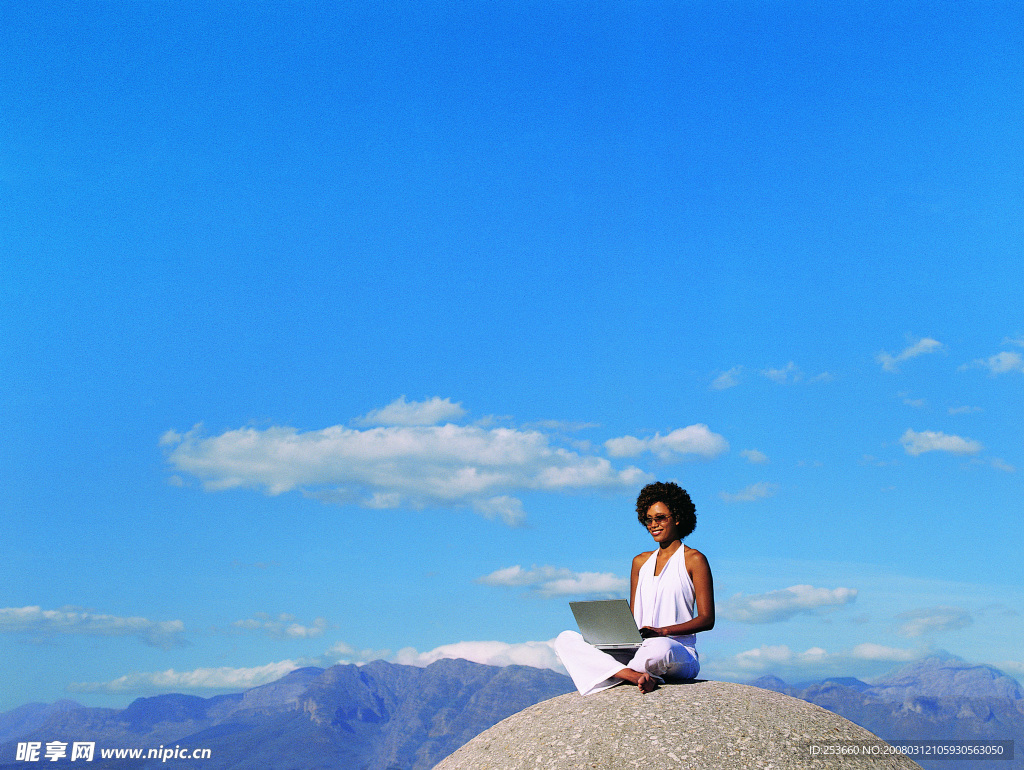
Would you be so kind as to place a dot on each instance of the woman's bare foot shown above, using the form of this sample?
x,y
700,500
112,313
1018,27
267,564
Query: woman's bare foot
x,y
644,682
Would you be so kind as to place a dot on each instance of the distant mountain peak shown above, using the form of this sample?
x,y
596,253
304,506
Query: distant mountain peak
x,y
770,682
283,692
947,675
305,672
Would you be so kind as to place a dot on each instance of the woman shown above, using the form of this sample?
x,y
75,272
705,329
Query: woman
x,y
668,587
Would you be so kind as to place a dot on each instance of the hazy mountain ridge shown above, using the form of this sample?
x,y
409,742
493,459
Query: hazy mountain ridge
x,y
393,717
380,715
31,716
939,697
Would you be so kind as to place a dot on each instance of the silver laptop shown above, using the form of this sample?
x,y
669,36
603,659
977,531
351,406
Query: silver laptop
x,y
607,624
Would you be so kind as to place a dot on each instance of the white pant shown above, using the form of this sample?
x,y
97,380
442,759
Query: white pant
x,y
593,670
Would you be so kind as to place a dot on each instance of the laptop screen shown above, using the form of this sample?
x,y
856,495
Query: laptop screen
x,y
606,623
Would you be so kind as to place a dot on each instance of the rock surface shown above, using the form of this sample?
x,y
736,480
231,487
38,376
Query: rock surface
x,y
703,724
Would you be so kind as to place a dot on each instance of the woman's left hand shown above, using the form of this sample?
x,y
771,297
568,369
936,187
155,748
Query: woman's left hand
x,y
648,631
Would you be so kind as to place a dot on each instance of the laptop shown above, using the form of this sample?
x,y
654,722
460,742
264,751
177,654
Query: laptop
x,y
607,624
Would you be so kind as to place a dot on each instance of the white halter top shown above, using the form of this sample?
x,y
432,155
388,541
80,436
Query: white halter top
x,y
665,599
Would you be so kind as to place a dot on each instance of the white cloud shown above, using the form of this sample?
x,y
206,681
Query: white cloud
x,y
535,654
282,627
776,606
584,472
72,621
774,655
1002,465
226,677
625,446
594,583
727,379
860,660
755,456
693,440
1006,362
558,581
1000,363
387,467
750,494
222,678
871,651
917,443
508,509
932,620
1012,667
341,653
890,363
964,409
517,576
790,373
562,426
410,413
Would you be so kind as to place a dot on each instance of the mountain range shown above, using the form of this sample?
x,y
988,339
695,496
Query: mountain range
x,y
387,716
936,698
380,715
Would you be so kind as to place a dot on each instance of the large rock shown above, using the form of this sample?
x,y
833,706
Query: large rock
x,y
706,725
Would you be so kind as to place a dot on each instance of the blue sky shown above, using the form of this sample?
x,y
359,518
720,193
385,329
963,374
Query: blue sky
x,y
332,334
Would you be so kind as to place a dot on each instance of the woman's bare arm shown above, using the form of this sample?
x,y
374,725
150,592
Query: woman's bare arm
x,y
634,578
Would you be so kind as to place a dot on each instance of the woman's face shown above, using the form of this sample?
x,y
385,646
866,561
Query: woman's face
x,y
661,525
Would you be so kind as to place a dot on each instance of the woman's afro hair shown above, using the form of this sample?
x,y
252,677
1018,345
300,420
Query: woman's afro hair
x,y
675,498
